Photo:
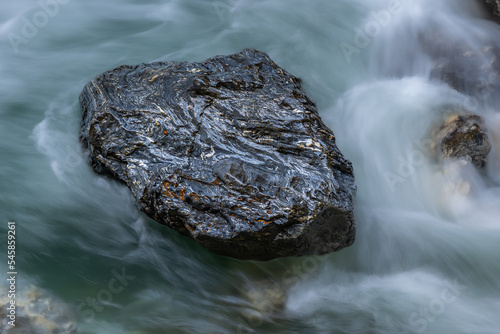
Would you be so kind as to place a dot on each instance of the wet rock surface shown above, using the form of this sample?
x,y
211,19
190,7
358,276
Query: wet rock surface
x,y
37,312
463,136
230,152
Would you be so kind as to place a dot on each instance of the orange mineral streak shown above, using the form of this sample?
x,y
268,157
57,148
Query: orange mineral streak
x,y
167,192
171,194
217,181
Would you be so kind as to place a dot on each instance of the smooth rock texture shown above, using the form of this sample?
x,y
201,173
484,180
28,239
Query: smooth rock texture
x,y
230,152
463,136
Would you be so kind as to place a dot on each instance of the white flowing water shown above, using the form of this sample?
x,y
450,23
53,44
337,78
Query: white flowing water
x,y
427,253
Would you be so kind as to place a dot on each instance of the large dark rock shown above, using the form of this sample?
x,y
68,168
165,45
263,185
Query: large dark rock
x,y
230,152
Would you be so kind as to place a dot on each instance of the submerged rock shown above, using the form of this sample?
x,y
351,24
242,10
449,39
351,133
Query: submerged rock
x,y
473,72
37,312
265,296
472,69
463,136
493,6
230,152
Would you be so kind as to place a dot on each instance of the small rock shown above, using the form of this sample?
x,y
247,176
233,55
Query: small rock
x,y
463,136
230,152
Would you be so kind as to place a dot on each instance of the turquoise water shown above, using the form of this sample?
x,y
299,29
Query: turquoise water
x,y
426,258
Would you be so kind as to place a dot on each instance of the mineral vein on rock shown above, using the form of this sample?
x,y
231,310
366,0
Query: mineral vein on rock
x,y
230,152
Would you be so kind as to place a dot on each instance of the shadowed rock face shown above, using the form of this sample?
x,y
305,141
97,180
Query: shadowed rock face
x,y
493,6
229,151
476,73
